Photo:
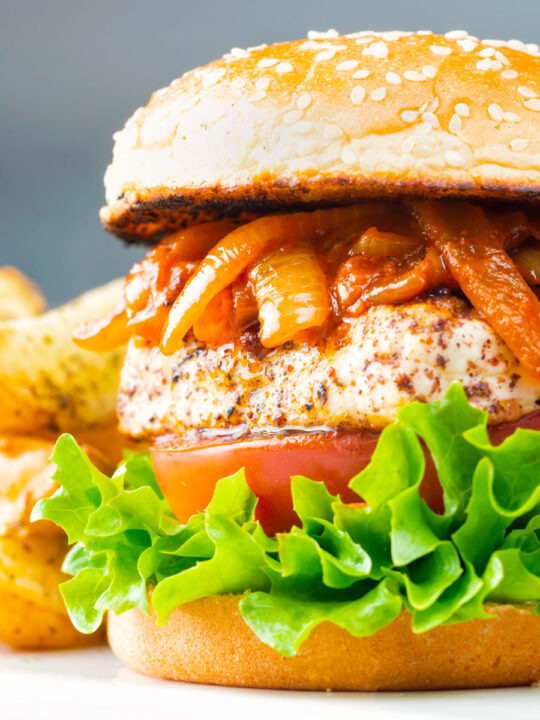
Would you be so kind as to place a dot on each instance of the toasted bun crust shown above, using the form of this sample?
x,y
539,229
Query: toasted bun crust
x,y
207,641
330,120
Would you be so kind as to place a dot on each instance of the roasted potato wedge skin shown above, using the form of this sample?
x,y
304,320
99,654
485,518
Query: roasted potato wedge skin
x,y
47,383
26,476
19,296
25,625
32,612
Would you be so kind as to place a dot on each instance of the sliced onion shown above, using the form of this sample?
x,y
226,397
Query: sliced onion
x,y
246,310
214,325
105,334
195,242
291,292
386,244
527,259
426,275
488,277
239,250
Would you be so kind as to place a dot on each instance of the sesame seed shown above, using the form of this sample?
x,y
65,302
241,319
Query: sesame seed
x,y
293,116
239,52
378,50
429,71
423,107
364,40
502,58
423,149
440,50
413,75
325,55
456,34
526,91
516,45
348,156
393,78
378,94
519,144
316,35
259,95
487,52
495,65
532,104
392,35
455,124
532,48
238,83
429,117
511,117
493,43
423,129
358,93
462,109
454,158
424,32
433,105
213,77
408,144
467,45
361,74
262,84
304,101
332,132
509,74
284,67
495,112
347,65
253,48
484,64
409,116
267,62
314,45
302,127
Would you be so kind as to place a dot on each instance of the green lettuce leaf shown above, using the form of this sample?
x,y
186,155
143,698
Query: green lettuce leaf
x,y
355,566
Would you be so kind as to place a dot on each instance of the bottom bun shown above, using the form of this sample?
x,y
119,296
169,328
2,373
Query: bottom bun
x,y
207,641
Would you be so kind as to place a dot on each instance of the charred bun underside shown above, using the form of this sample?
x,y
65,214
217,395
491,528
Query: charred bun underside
x,y
329,121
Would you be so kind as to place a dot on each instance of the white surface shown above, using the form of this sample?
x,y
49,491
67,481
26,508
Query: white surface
x,y
92,685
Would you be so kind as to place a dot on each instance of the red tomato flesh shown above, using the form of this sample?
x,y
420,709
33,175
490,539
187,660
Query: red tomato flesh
x,y
188,475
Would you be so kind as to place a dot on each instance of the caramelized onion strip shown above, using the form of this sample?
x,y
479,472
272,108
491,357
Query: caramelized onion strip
x,y
426,275
291,292
488,277
527,260
239,250
104,334
386,244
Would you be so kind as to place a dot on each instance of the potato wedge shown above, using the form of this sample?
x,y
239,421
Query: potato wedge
x,y
32,612
19,296
47,383
26,477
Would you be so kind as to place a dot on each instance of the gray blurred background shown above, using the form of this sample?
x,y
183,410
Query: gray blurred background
x,y
73,71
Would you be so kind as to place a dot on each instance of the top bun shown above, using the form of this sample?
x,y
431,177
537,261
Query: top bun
x,y
330,120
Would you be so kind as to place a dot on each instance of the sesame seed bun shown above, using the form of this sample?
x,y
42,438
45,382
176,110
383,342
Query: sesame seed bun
x,y
207,641
330,120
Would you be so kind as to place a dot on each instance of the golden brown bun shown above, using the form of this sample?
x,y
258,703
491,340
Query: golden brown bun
x,y
331,119
208,642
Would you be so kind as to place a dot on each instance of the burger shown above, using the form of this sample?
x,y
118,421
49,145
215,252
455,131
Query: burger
x,y
334,355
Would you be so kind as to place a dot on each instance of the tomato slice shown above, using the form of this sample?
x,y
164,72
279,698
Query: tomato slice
x,y
188,475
